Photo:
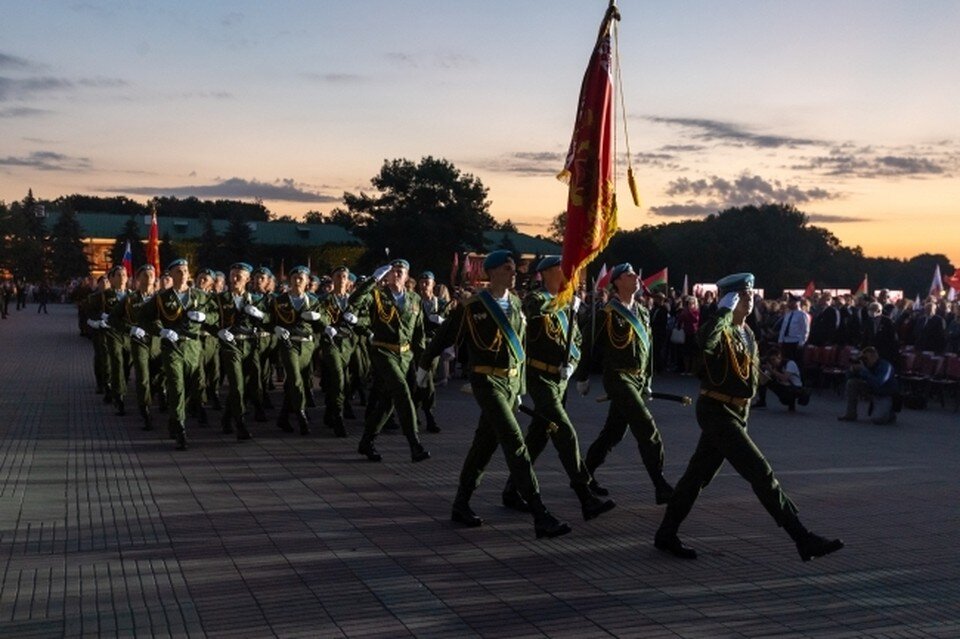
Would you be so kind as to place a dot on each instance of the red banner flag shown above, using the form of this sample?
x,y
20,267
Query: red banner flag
x,y
589,171
657,279
153,242
810,290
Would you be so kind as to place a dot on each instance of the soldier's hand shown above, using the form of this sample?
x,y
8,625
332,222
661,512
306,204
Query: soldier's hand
x,y
94,324
310,316
226,335
576,304
423,377
583,387
104,324
517,404
137,333
647,393
381,272
281,333
435,318
350,318
197,316
566,372
730,300
330,332
253,311
169,334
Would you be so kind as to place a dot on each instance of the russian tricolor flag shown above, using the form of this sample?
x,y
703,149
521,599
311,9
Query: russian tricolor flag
x,y
128,260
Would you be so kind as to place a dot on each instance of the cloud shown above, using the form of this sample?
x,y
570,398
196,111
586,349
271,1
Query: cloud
x,y
286,190
47,161
8,61
865,162
728,133
334,78
835,219
22,88
893,165
22,112
100,82
534,163
438,60
685,210
232,18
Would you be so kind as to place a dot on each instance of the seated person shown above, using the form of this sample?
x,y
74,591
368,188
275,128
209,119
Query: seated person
x,y
782,377
874,378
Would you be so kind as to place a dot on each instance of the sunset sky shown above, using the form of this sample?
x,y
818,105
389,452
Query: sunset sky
x,y
847,109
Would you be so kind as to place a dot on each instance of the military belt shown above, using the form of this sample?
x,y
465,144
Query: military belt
x,y
297,338
543,366
496,372
739,402
396,348
241,337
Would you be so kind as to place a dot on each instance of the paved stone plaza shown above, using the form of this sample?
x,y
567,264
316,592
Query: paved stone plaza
x,y
106,530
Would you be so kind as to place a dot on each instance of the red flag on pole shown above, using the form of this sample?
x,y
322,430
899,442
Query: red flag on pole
x,y
153,242
657,279
863,289
589,170
810,290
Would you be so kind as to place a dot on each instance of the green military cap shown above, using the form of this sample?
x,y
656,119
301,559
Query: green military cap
x,y
241,266
548,262
496,258
735,282
300,269
619,270
180,261
401,263
427,275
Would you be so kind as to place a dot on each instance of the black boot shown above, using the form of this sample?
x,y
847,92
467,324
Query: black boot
x,y
311,402
666,538
512,499
663,490
417,452
338,428
348,411
545,524
597,489
107,396
121,409
431,422
462,513
303,422
226,422
215,402
367,448
283,421
242,433
267,402
162,401
591,505
202,416
147,419
181,436
258,413
809,545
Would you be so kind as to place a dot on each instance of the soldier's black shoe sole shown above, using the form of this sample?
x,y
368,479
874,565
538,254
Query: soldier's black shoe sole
x,y
674,546
599,509
557,530
597,489
818,547
466,517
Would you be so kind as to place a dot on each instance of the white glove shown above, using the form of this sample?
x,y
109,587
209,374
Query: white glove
x,y
330,332
435,318
423,376
566,372
197,316
310,316
350,318
137,333
226,335
381,272
94,324
647,393
517,404
252,311
169,335
281,332
730,300
104,324
576,304
104,317
583,387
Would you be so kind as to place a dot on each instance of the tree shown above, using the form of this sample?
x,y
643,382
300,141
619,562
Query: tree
x,y
66,248
422,212
238,241
28,234
314,217
558,226
210,248
130,233
507,226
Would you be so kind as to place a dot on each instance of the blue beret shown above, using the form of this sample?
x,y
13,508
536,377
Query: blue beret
x,y
619,270
735,282
207,271
241,266
496,258
405,264
548,262
352,277
218,274
427,275
180,261
298,269
342,267
265,270
115,269
145,267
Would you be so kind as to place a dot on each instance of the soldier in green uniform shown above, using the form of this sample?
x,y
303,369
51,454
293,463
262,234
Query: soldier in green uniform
x,y
493,327
548,369
337,346
728,382
623,337
295,316
240,323
434,314
210,350
396,321
115,338
177,317
144,347
95,311
263,285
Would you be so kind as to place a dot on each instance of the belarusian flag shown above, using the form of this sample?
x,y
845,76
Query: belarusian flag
x,y
863,289
657,279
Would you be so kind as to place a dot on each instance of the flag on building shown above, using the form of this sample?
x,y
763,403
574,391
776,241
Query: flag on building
x,y
657,279
153,242
936,286
128,260
863,289
810,290
589,167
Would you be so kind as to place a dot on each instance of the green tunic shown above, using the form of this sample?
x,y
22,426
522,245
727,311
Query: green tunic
x,y
145,352
240,358
295,354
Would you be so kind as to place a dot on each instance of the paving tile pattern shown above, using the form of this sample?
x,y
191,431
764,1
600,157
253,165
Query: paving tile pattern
x,y
107,531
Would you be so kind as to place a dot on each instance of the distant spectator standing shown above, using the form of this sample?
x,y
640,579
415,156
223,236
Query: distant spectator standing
x,y
794,331
826,325
879,332
43,296
21,294
930,330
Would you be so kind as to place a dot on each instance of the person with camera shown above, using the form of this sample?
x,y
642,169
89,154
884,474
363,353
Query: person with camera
x,y
781,376
873,377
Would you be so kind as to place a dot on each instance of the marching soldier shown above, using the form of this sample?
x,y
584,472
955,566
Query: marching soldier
x,y
116,340
396,321
210,351
337,348
548,369
728,382
263,284
241,321
434,315
177,316
623,336
144,347
95,310
492,326
295,315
